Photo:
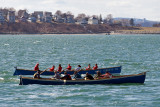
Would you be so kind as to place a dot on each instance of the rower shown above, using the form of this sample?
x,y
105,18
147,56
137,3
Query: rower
x,y
37,74
78,68
107,75
89,67
98,75
52,69
95,67
36,68
66,76
88,76
57,75
69,67
59,68
76,75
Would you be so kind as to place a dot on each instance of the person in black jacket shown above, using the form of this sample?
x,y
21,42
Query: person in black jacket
x,y
88,76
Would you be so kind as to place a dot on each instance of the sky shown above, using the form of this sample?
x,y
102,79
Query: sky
x,y
148,9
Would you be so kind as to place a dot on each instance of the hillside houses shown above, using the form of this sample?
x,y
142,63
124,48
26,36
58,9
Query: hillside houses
x,y
12,16
43,17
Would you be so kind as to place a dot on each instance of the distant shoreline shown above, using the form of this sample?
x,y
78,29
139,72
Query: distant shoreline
x,y
74,33
72,29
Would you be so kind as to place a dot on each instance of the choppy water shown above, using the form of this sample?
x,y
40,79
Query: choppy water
x,y
135,53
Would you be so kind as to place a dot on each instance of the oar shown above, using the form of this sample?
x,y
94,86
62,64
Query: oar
x,y
43,71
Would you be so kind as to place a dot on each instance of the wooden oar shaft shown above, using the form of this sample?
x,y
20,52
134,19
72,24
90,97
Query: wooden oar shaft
x,y
44,71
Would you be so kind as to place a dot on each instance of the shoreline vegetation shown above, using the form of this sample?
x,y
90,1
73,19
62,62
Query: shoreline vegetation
x,y
64,28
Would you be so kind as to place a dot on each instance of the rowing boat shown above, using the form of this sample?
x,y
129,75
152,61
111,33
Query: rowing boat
x,y
112,70
134,78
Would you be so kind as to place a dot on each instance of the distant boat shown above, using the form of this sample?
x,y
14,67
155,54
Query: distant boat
x,y
112,70
134,78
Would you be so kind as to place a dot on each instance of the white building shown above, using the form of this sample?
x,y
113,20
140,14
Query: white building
x,y
93,21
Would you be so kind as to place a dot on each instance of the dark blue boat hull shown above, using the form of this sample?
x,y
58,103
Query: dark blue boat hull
x,y
136,78
112,70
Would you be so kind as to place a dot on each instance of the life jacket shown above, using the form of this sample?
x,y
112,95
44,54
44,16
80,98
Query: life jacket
x,y
36,68
52,69
95,67
107,75
88,68
69,67
59,68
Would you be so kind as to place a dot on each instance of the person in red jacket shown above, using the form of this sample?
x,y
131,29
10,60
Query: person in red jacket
x,y
69,67
95,67
107,75
36,68
52,69
89,67
59,68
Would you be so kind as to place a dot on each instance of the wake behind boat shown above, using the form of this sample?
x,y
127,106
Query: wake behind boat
x,y
112,70
134,78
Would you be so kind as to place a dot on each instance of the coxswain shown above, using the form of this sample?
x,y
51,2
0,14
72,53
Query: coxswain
x,y
52,69
36,68
95,67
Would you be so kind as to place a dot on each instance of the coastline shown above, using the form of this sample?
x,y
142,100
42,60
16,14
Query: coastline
x,y
72,29
116,33
140,30
80,34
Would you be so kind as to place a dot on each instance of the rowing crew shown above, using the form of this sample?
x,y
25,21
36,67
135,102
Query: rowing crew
x,y
69,68
75,76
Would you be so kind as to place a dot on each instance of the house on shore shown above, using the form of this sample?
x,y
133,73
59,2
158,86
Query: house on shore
x,y
69,19
48,17
32,18
2,19
39,16
11,17
93,20
23,15
82,21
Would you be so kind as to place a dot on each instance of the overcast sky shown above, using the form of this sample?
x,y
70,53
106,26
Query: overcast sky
x,y
148,9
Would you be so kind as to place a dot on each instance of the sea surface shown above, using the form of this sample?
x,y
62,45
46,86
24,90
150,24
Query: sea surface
x,y
135,53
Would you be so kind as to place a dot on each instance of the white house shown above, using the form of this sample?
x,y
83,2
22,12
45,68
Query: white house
x,y
93,20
